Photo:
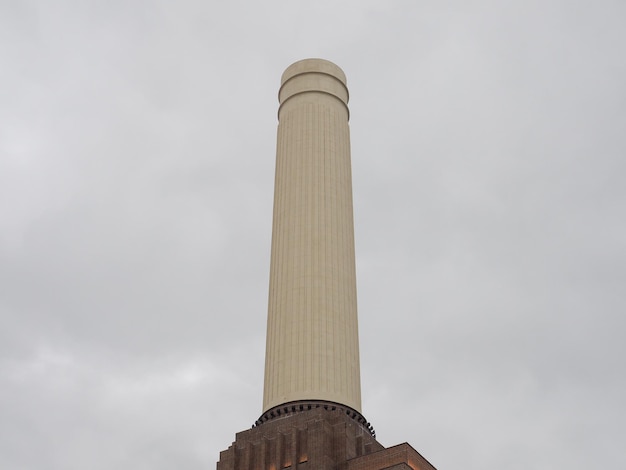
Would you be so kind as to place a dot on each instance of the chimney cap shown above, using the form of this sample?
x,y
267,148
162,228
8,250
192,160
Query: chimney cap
x,y
313,66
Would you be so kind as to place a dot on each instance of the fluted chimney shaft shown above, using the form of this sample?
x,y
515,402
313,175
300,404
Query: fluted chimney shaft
x,y
312,338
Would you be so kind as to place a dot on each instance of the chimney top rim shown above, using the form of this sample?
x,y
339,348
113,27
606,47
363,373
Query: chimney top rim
x,y
314,66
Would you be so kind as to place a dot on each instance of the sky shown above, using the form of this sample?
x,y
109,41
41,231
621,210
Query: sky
x,y
137,152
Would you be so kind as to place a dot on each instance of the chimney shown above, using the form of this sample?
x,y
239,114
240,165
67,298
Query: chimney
x,y
312,350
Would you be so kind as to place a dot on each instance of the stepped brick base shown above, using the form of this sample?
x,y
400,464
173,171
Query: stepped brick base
x,y
316,439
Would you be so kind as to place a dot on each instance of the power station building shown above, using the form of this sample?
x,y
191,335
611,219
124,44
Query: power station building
x,y
311,417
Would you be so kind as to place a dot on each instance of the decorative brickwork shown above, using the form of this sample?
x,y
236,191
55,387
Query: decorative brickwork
x,y
316,439
400,457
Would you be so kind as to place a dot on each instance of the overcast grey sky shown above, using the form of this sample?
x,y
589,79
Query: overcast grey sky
x,y
137,147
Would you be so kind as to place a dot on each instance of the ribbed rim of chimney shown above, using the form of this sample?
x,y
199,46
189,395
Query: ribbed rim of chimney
x,y
315,66
312,67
